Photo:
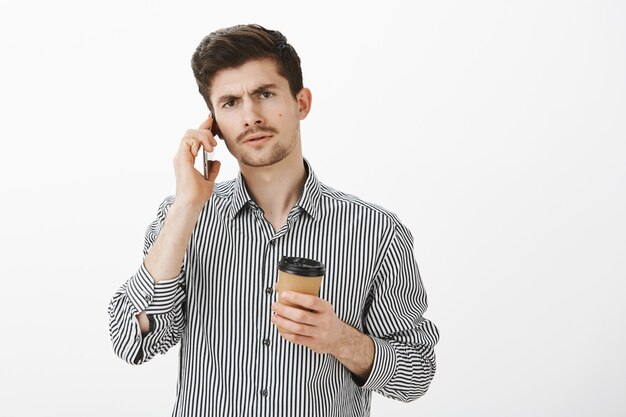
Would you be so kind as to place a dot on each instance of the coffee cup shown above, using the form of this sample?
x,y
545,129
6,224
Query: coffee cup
x,y
300,275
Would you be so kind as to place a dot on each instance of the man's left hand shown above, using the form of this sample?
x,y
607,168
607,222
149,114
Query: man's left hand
x,y
311,323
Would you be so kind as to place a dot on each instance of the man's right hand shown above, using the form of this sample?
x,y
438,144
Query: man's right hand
x,y
166,255
192,189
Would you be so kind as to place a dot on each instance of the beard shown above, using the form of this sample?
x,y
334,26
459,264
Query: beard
x,y
266,156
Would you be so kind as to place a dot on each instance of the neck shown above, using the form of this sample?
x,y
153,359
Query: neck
x,y
276,188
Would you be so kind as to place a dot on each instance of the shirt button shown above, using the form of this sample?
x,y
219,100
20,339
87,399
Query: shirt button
x,y
264,392
266,342
138,339
268,291
147,297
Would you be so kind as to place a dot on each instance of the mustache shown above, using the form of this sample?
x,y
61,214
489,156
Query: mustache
x,y
254,130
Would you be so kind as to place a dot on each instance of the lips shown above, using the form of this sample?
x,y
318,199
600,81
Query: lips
x,y
256,137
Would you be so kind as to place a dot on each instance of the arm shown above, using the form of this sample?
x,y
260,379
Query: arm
x,y
146,315
404,340
148,298
395,355
163,261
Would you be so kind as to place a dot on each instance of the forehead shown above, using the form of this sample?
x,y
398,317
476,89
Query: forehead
x,y
247,77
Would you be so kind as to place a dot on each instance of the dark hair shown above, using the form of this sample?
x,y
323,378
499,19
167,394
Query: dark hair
x,y
234,46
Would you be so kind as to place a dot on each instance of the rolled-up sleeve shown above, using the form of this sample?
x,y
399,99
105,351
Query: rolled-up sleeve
x,y
163,303
404,341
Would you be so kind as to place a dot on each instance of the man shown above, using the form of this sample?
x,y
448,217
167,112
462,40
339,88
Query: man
x,y
211,258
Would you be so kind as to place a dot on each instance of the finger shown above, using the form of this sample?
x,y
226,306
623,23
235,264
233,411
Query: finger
x,y
189,144
307,301
204,136
295,314
195,147
292,326
206,125
194,138
187,141
208,144
207,138
298,339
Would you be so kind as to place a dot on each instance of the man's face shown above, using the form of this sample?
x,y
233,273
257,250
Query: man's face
x,y
258,117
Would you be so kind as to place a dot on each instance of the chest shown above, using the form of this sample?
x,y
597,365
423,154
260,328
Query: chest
x,y
231,271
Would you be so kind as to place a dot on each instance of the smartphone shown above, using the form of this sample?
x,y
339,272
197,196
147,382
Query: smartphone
x,y
209,157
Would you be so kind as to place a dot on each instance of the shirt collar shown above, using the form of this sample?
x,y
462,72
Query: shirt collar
x,y
308,201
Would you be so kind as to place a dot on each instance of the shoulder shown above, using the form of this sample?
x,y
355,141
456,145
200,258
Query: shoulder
x,y
353,206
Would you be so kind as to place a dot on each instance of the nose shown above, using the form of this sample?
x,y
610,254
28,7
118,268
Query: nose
x,y
251,114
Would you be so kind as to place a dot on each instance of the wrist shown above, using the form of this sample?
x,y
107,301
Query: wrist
x,y
184,207
348,339
355,350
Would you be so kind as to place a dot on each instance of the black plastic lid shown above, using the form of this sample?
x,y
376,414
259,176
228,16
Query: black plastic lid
x,y
301,266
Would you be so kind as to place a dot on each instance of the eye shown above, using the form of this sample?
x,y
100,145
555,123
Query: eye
x,y
266,94
229,103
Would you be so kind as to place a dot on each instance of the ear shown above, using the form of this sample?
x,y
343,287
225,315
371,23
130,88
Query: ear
x,y
303,98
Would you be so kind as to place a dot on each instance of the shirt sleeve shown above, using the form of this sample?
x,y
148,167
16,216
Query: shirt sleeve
x,y
163,303
404,359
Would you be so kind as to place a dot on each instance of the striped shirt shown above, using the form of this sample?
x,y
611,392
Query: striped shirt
x,y
233,361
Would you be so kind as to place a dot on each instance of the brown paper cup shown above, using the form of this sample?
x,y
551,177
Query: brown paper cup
x,y
300,275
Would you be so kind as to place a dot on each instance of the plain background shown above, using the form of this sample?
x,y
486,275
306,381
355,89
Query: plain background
x,y
495,130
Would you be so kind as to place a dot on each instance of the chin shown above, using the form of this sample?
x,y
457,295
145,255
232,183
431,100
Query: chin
x,y
260,162
257,161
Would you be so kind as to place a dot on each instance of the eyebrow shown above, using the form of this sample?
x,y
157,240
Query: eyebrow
x,y
228,97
